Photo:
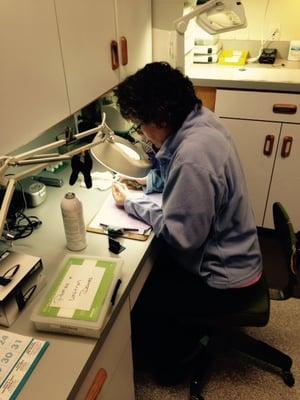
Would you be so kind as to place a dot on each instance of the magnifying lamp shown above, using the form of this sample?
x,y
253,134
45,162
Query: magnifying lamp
x,y
122,157
213,16
108,149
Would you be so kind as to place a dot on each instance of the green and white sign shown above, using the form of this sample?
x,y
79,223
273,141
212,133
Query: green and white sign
x,y
80,289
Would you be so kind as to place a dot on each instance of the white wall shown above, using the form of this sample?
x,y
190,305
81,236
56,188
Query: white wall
x,y
284,14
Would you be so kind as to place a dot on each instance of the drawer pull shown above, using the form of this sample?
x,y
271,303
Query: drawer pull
x,y
114,54
268,146
286,146
285,108
97,384
124,52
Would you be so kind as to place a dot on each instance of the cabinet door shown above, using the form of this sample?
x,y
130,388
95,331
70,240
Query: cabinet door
x,y
253,140
285,186
86,30
33,91
115,358
134,24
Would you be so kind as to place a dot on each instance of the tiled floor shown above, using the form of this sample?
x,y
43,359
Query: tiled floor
x,y
241,378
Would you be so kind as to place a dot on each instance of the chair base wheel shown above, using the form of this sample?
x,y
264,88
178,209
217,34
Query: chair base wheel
x,y
196,397
195,390
288,378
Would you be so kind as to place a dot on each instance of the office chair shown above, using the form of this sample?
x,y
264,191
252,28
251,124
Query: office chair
x,y
224,332
289,242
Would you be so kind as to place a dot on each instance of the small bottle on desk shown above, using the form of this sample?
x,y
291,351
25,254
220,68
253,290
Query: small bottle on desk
x,y
72,213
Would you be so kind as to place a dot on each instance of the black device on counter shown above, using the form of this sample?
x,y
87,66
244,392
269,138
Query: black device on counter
x,y
49,181
34,191
268,56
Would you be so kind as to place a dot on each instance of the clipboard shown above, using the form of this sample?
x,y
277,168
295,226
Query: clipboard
x,y
127,235
112,215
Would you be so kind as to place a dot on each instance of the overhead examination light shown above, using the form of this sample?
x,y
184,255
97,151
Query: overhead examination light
x,y
213,16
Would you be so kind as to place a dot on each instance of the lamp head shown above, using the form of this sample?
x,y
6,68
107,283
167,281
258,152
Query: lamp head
x,y
215,16
120,156
105,148
223,16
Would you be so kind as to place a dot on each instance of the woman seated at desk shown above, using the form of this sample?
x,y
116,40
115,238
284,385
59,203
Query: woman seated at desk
x,y
211,257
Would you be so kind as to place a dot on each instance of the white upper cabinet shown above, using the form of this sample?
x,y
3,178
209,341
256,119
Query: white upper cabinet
x,y
57,56
134,33
86,30
33,93
102,42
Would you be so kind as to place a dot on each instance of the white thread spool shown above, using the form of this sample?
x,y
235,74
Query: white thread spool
x,y
72,213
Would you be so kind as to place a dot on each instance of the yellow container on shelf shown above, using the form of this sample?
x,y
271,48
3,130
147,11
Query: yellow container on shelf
x,y
233,57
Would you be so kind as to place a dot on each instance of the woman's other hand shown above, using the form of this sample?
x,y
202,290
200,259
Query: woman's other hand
x,y
132,183
120,193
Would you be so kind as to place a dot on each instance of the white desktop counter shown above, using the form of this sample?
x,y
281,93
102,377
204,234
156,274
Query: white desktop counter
x,y
284,76
69,365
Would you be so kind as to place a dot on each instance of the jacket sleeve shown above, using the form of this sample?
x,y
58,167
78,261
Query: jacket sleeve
x,y
188,210
155,182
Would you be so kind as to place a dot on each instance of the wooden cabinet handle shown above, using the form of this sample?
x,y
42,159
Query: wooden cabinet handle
x,y
285,108
286,146
97,385
124,52
268,146
114,54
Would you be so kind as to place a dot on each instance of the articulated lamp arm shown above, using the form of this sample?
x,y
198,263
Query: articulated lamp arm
x,y
104,149
40,161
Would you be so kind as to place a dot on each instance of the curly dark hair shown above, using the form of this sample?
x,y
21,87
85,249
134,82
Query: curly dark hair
x,y
157,94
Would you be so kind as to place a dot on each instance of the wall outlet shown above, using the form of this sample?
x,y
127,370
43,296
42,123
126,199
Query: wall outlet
x,y
275,33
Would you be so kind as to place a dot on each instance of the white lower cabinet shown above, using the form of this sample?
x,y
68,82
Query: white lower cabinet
x,y
110,376
121,385
251,137
285,185
265,127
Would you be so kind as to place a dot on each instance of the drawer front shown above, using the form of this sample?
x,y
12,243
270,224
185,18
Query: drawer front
x,y
264,106
121,385
108,359
145,270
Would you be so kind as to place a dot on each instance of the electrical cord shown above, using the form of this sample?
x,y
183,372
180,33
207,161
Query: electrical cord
x,y
263,43
21,226
18,225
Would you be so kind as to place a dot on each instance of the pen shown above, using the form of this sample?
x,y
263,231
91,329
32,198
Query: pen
x,y
117,228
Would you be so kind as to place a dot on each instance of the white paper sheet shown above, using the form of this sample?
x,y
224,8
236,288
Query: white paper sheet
x,y
112,215
77,290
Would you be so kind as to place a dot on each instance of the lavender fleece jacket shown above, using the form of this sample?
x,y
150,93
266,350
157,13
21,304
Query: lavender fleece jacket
x,y
206,216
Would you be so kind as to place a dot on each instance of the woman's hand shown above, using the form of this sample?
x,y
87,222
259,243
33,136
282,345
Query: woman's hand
x,y
120,193
132,183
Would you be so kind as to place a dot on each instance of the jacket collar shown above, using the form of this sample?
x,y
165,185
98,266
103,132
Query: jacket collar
x,y
172,142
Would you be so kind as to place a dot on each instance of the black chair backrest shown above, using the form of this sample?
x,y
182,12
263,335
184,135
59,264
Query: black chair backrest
x,y
289,243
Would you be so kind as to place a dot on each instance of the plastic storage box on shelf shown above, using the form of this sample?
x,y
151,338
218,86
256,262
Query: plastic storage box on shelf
x,y
206,50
